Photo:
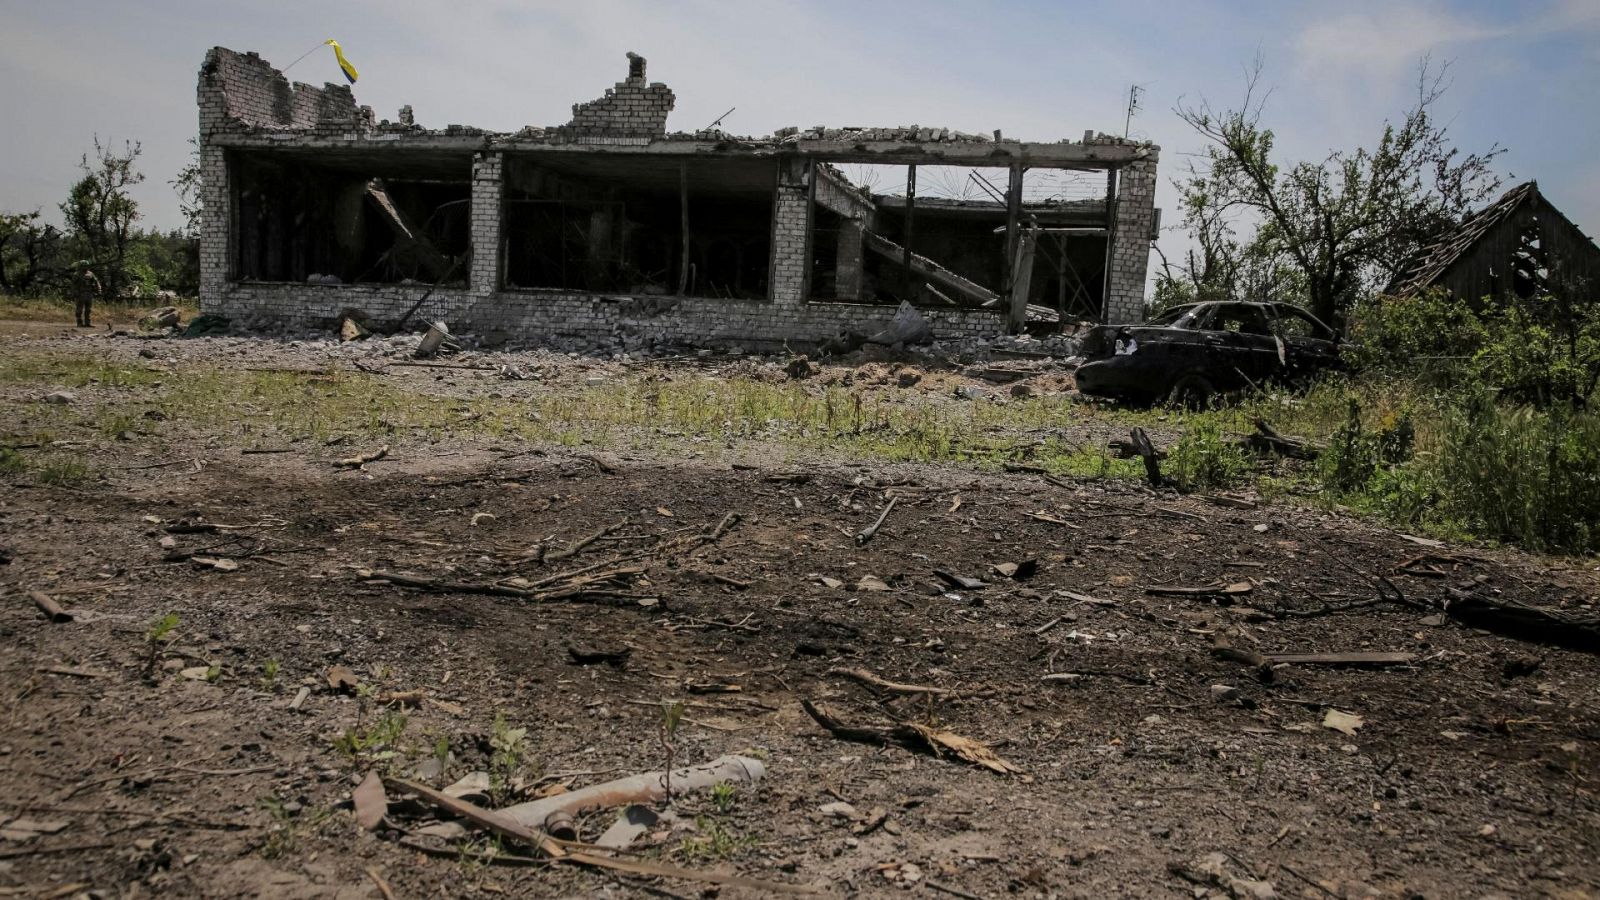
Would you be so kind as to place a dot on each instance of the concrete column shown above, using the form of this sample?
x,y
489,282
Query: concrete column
x,y
791,232
847,261
216,227
1133,216
488,191
216,196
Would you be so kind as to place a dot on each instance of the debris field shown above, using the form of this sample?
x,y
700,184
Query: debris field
x,y
449,665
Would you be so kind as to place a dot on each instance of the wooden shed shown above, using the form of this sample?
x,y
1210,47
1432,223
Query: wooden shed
x,y
1520,244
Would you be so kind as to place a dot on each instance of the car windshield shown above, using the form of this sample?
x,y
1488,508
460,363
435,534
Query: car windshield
x,y
1177,317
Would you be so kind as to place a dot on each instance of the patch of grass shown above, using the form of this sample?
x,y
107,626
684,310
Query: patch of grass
x,y
1410,458
714,840
60,309
11,462
63,472
375,741
283,836
114,423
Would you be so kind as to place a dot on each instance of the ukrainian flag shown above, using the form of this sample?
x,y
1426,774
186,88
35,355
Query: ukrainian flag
x,y
344,64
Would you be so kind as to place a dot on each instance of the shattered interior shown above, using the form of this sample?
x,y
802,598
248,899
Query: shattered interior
x,y
800,235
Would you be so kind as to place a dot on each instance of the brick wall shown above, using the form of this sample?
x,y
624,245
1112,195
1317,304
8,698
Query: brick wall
x,y
559,318
1129,255
791,232
244,90
488,216
632,108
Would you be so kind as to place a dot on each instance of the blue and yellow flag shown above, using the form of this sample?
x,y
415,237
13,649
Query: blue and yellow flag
x,y
344,64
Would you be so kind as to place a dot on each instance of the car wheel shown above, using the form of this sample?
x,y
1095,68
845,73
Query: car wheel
x,y
1191,392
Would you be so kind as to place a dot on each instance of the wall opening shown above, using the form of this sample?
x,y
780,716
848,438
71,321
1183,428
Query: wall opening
x,y
953,220
339,218
616,224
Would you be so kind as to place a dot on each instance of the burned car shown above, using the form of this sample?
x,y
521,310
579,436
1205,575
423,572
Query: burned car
x,y
1189,354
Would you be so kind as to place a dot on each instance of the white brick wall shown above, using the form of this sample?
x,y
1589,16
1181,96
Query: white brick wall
x,y
1129,256
588,318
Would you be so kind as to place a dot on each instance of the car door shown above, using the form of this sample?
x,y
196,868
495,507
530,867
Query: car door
x,y
1246,351
1310,346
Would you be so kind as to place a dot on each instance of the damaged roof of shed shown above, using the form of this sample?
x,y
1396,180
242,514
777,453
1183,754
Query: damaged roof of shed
x,y
1432,261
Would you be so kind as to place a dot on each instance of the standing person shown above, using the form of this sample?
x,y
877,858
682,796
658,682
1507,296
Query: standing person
x,y
85,287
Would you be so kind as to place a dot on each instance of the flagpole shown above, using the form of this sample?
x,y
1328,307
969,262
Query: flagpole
x,y
303,56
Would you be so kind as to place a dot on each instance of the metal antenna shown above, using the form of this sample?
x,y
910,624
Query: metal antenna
x,y
1133,106
720,118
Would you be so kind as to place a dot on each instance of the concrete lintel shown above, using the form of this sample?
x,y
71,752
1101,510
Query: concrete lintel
x,y
1064,154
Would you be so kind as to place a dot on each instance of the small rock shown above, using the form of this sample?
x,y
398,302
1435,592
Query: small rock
x,y
61,398
839,810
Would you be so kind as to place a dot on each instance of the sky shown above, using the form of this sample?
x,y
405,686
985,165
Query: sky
x,y
1523,75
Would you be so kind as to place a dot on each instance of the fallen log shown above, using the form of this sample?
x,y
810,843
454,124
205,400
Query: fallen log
x,y
592,586
1216,590
1267,440
1519,620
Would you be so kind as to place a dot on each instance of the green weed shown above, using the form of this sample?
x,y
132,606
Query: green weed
x,y
63,472
11,462
724,796
1202,458
508,746
374,742
714,841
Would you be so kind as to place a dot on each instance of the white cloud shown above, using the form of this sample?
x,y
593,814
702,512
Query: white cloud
x,y
1381,43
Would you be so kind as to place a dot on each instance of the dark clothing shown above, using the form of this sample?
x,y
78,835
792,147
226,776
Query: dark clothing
x,y
84,289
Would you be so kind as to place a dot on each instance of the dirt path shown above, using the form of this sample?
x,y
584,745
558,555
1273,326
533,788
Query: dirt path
x,y
1471,775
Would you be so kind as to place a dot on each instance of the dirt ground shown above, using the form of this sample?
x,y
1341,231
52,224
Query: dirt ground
x,y
132,765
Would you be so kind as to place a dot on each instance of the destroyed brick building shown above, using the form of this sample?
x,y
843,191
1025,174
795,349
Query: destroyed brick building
x,y
610,226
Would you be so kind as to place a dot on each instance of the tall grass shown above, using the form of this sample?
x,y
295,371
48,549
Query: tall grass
x,y
1525,476
1396,448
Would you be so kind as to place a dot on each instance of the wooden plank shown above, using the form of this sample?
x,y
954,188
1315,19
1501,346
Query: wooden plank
x,y
683,224
1358,658
1021,282
911,221
1013,215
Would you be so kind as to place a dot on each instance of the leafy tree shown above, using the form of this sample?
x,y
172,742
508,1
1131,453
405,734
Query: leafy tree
x,y
29,252
100,213
187,185
1344,225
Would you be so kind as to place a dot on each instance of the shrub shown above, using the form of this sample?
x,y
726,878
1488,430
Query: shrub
x,y
1416,333
1524,475
1203,459
1543,350
1356,454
